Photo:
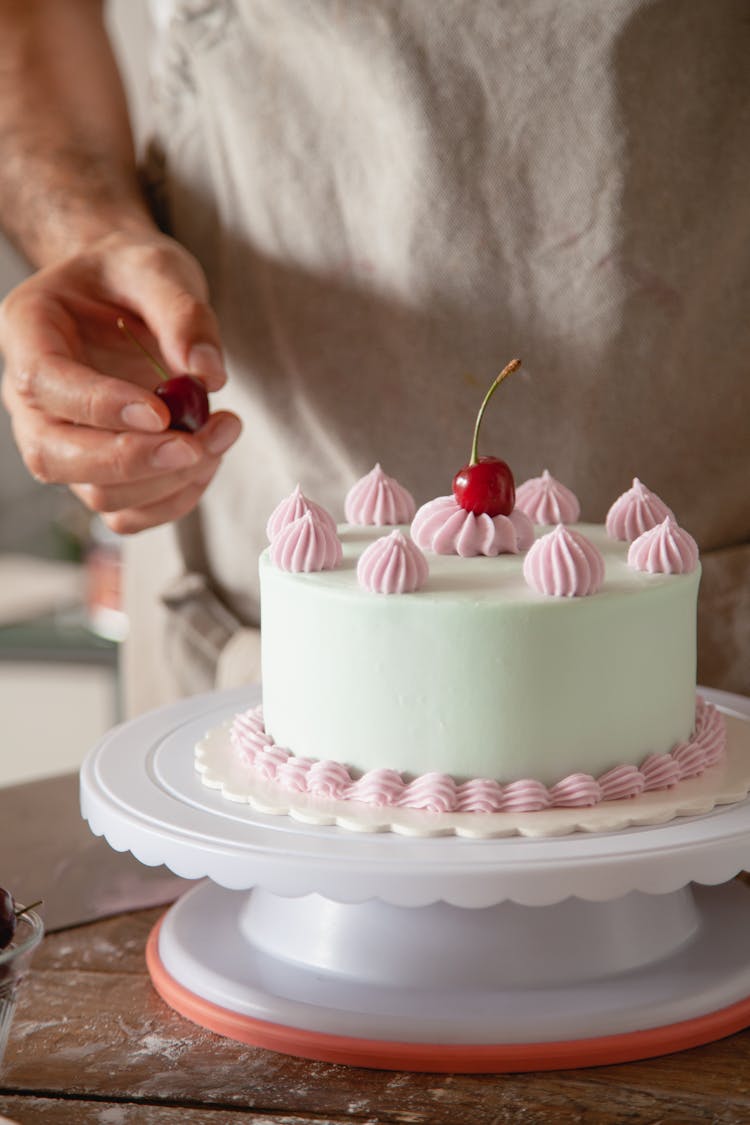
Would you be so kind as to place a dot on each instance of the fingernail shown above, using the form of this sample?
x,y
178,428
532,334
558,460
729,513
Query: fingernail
x,y
140,416
226,433
174,455
205,359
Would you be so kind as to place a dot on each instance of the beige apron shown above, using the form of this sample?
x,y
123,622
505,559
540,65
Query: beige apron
x,y
392,198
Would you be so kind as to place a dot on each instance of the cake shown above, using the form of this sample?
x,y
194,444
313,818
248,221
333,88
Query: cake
x,y
462,660
471,686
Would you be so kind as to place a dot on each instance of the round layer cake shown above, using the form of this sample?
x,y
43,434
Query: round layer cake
x,y
477,675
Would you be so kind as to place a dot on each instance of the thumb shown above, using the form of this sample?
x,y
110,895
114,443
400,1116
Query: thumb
x,y
166,287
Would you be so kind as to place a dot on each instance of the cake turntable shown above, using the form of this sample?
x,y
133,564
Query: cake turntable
x,y
437,954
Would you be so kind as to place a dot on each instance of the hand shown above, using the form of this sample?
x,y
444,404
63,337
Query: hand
x,y
79,393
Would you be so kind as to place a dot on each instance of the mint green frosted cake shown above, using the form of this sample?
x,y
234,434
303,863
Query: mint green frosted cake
x,y
477,675
486,653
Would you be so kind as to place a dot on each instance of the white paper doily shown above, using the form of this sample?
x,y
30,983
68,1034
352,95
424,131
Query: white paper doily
x,y
723,784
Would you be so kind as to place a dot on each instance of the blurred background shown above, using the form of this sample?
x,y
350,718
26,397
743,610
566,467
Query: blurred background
x,y
61,623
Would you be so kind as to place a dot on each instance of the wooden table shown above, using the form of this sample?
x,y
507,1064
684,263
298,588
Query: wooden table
x,y
93,1043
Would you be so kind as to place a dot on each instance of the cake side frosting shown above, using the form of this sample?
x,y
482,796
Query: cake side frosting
x,y
436,792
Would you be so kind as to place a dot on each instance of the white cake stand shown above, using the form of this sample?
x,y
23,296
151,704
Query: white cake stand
x,y
435,954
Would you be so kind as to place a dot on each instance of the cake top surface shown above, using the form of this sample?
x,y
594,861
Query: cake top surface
x,y
480,578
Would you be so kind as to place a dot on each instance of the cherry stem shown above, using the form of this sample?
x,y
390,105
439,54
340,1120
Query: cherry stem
x,y
506,371
26,909
154,362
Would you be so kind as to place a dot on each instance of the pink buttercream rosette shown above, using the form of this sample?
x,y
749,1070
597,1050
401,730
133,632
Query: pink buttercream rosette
x,y
440,793
547,501
291,508
634,512
443,526
665,549
564,564
377,500
392,565
306,545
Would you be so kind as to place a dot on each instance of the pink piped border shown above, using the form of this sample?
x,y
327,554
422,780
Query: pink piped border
x,y
439,793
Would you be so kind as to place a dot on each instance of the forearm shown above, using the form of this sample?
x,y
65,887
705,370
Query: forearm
x,y
67,166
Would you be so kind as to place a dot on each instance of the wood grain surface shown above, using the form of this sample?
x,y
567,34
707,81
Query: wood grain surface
x,y
92,1042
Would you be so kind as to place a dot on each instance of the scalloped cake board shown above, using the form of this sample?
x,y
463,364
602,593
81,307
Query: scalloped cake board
x,y
723,784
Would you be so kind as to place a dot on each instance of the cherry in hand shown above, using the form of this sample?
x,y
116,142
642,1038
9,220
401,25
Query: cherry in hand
x,y
186,401
185,396
485,486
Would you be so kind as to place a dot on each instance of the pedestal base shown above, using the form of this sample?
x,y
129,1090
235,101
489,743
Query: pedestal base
x,y
448,989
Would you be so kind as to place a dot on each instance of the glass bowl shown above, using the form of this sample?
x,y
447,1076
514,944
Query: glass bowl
x,y
14,964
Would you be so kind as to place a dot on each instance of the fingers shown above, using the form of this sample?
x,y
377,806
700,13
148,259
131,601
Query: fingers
x,y
54,360
130,508
73,392
130,521
139,494
58,452
63,453
40,338
219,433
164,285
72,384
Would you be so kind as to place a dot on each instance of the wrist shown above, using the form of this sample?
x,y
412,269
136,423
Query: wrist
x,y
81,228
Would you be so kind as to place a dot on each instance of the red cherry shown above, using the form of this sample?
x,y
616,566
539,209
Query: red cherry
x,y
186,401
185,396
10,912
8,918
485,486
